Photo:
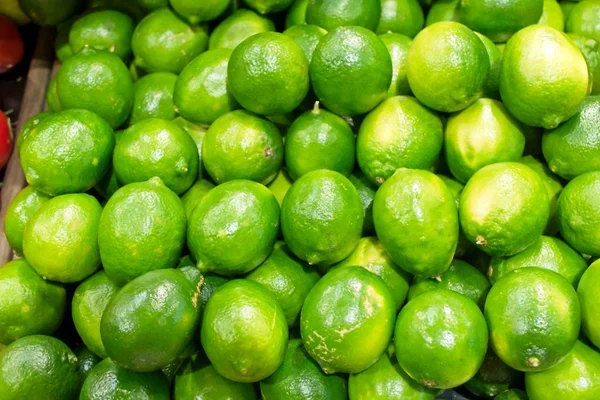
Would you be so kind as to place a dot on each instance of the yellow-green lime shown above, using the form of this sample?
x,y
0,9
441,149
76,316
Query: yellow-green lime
x,y
103,30
194,195
400,16
238,27
269,6
331,14
280,185
307,37
590,304
153,97
512,394
197,132
19,212
552,15
296,14
52,99
398,45
29,125
464,247
590,48
584,19
492,85
196,11
366,192
109,184
443,10
46,13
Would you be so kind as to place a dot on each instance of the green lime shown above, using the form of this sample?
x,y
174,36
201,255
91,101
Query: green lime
x,y
87,361
468,150
491,87
591,52
536,84
504,208
163,42
135,9
512,394
399,133
578,213
194,195
83,158
300,377
103,30
29,126
195,11
157,147
590,304
197,132
12,9
89,302
109,184
52,98
448,66
268,74
234,227
210,286
398,46
441,339
288,279
307,37
366,192
244,332
269,6
567,7
238,27
533,315
201,95
280,185
38,365
153,97
423,242
170,370
493,377
50,13
331,14
552,15
19,212
351,70
401,16
296,14
29,305
145,336
498,19
322,217
142,228
584,19
62,48
464,246
344,309
548,253
60,240
443,10
110,381
241,145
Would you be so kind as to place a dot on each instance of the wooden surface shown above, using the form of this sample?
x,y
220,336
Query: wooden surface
x,y
34,100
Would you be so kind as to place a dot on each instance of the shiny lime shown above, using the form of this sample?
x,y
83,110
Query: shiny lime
x,y
492,84
590,306
552,15
307,37
398,46
296,14
331,14
366,192
19,212
238,27
401,16
103,30
590,48
584,19
194,195
280,185
200,11
269,6
153,97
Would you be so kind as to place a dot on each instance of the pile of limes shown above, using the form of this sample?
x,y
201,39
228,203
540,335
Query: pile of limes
x,y
388,199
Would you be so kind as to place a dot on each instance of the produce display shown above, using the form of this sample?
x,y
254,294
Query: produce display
x,y
306,200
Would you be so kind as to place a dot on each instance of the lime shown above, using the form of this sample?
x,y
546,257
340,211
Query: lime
x,y
351,70
307,37
591,52
238,27
331,14
135,9
29,126
244,332
366,192
62,48
103,30
399,133
482,134
448,66
493,377
196,12
423,242
269,6
296,14
464,246
398,45
210,286
512,394
197,132
536,84
578,213
157,147
288,279
566,7
299,377
443,10
584,19
440,339
234,227
401,16
504,208
194,196
49,13
552,15
280,185
87,361
52,98
19,212
322,217
110,381
142,228
12,9
344,308
533,315
109,184
163,42
89,302
29,305
153,97
491,87
590,310
60,240
170,370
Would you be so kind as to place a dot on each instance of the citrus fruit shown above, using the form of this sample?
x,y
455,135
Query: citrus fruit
x,y
398,45
584,19
464,246
296,14
468,149
244,332
351,70
493,377
210,286
89,302
157,147
288,279
422,242
19,212
60,240
443,10
299,377
552,15
346,306
163,42
447,66
280,185
144,336
578,213
440,339
591,52
103,30
331,14
241,145
370,254
29,305
322,217
109,184
87,361
233,229
84,154
47,13
533,316
238,27
269,6
153,97
108,380
194,196
532,64
52,99
504,208
142,228
29,125
400,16
201,95
590,310
170,370
62,48
36,365
197,132
366,192
268,74
399,133
512,394
196,12
491,86
135,9
97,81
307,37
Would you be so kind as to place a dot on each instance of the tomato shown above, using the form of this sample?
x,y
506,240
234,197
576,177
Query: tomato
x,y
5,140
11,44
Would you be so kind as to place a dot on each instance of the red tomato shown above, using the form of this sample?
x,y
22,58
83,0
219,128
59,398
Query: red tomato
x,y
5,140
11,44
